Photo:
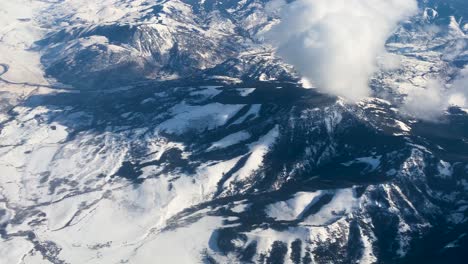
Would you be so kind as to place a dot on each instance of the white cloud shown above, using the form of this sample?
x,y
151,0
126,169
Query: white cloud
x,y
335,43
431,102
426,103
459,89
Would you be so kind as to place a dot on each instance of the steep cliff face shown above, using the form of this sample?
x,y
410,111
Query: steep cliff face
x,y
169,131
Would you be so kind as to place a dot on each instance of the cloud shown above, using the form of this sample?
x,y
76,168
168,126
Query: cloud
x,y
459,89
430,102
426,103
335,43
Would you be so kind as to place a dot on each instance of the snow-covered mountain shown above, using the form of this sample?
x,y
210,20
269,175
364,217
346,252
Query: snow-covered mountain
x,y
168,131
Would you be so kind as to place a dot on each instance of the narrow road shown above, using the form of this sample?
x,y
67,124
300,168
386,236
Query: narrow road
x,y
4,69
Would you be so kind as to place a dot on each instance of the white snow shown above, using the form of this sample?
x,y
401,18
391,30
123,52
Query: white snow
x,y
240,207
183,245
372,162
445,169
14,249
255,160
368,256
291,209
251,114
198,118
266,237
245,91
207,92
230,140
19,30
343,203
95,218
402,126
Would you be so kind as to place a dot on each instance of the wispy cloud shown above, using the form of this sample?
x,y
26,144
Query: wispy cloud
x,y
430,102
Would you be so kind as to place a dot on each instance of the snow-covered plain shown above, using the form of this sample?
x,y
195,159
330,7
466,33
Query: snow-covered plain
x,y
83,215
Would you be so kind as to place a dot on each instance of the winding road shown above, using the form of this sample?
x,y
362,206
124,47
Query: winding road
x,y
4,68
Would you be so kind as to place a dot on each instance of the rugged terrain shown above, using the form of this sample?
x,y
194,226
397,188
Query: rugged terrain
x,y
170,132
